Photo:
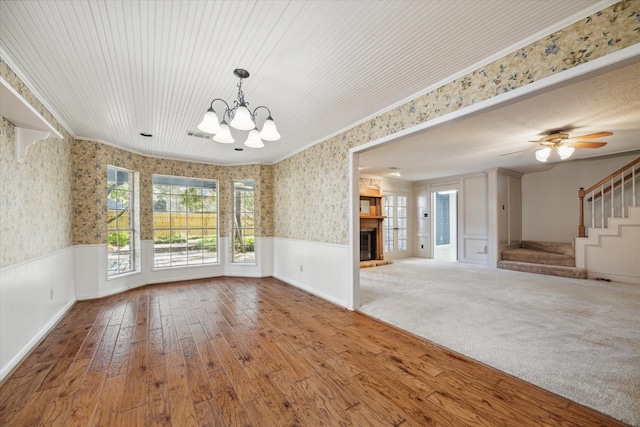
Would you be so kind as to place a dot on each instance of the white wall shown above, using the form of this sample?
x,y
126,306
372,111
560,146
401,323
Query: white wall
x,y
423,221
321,269
474,235
550,208
34,295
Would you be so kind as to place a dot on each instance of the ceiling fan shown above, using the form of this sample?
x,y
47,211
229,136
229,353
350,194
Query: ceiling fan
x,y
564,145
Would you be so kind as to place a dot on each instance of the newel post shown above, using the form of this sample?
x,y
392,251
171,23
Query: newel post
x,y
581,226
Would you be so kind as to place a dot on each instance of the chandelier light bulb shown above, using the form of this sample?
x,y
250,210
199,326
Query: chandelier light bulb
x,y
242,119
253,140
269,131
542,154
224,135
209,123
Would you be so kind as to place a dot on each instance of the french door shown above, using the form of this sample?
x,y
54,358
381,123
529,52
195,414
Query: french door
x,y
395,226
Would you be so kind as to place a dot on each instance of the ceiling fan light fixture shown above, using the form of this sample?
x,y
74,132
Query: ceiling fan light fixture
x,y
543,154
565,152
224,135
253,140
241,118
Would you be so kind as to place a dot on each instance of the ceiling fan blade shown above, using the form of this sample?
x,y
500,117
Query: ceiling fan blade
x,y
591,136
587,144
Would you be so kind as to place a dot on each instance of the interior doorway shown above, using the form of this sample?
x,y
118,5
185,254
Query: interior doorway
x,y
445,225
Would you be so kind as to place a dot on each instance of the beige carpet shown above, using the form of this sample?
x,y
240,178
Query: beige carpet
x,y
577,338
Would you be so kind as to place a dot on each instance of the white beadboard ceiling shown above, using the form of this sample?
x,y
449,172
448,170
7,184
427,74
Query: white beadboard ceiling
x,y
110,70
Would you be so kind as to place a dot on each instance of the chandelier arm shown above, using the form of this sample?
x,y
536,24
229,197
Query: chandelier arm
x,y
219,99
257,108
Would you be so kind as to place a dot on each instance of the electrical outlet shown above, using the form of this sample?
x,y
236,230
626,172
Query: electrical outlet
x,y
50,294
300,268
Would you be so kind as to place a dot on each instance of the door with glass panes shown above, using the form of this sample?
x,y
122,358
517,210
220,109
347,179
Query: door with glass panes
x,y
395,226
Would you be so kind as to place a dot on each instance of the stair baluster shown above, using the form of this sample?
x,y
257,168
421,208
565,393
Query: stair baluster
x,y
600,196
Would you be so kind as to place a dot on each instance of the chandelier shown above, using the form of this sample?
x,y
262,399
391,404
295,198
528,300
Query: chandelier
x,y
239,118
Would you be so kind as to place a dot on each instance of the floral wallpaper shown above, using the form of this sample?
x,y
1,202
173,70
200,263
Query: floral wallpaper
x,y
35,198
312,187
90,161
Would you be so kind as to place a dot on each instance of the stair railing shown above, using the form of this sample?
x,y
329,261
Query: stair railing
x,y
619,182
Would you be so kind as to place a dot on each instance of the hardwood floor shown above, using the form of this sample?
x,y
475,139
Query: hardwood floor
x,y
257,352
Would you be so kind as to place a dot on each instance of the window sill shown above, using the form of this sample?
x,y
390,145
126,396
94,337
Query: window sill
x,y
174,267
123,275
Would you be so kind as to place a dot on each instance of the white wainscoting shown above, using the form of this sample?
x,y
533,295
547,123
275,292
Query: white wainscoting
x,y
321,269
34,295
475,250
37,293
91,268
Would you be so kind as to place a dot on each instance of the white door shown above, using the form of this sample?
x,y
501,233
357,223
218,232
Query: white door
x,y
395,226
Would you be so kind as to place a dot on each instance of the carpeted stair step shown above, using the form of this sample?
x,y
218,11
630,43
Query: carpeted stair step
x,y
538,257
552,270
562,248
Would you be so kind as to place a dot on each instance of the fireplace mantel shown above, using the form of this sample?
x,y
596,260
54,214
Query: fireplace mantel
x,y
371,220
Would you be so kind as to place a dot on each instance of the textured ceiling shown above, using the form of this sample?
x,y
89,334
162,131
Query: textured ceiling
x,y
606,100
109,70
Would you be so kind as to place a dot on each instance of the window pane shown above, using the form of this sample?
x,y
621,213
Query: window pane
x,y
209,204
185,221
194,220
120,221
243,222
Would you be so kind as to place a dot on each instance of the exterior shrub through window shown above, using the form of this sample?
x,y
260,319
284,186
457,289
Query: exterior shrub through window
x,y
122,240
243,222
185,221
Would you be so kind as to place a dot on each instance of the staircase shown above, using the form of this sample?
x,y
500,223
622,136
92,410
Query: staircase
x,y
551,258
611,252
607,248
